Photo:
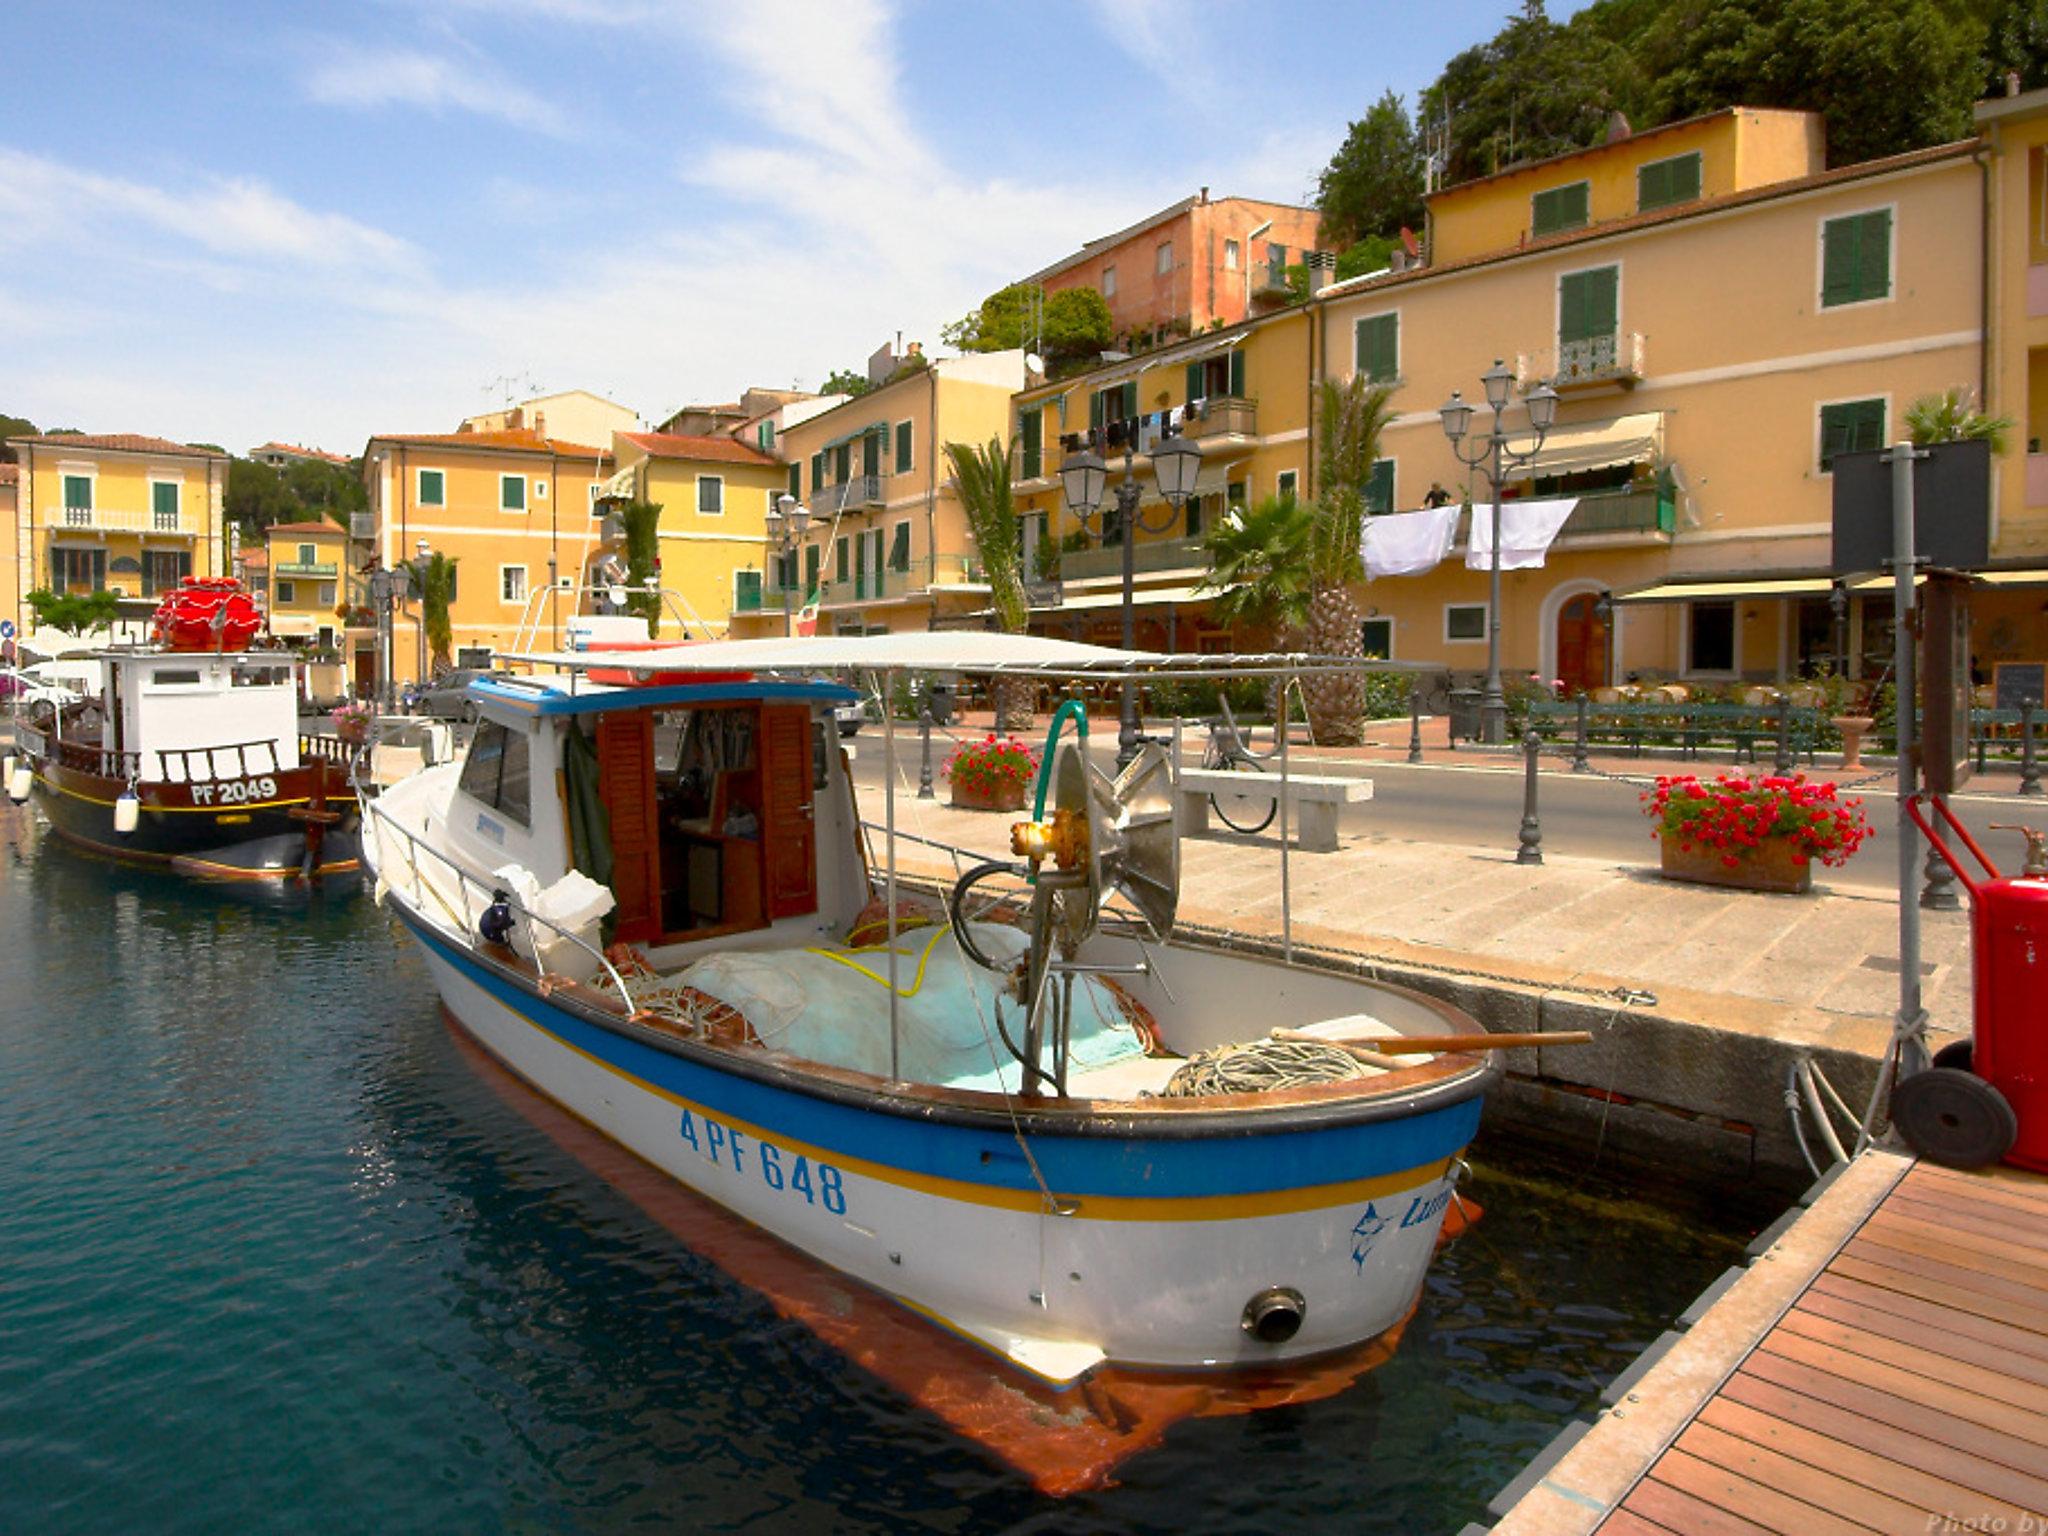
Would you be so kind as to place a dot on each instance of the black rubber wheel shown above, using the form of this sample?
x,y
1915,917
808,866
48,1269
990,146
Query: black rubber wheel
x,y
1956,1055
1242,813
1954,1118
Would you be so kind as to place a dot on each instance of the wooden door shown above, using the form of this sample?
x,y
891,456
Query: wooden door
x,y
625,758
1581,645
789,834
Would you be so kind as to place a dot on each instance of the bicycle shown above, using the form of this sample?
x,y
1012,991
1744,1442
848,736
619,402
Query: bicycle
x,y
1227,752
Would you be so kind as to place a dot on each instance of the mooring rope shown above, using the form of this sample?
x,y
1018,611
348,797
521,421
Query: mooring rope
x,y
1258,1065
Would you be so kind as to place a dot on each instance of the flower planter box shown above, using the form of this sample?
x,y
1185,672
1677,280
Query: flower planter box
x,y
1001,797
1767,867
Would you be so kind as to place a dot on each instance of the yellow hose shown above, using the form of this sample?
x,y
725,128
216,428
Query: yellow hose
x,y
845,957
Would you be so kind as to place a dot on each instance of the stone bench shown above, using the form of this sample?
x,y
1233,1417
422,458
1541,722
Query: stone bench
x,y
1313,800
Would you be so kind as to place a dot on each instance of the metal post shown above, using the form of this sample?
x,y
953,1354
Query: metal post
x,y
1579,762
924,767
1531,851
2030,767
1910,1022
1782,764
1493,704
1286,873
1127,530
1939,893
888,692
1415,725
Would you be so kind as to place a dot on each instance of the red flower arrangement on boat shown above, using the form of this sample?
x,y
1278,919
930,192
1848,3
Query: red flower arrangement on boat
x,y
1737,814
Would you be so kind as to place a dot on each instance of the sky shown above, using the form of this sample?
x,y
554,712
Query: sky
x,y
312,222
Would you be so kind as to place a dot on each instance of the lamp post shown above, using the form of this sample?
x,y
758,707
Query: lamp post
x,y
1603,614
1083,478
1493,452
425,551
387,589
1838,609
788,520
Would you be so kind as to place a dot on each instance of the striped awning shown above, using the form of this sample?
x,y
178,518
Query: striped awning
x,y
1693,589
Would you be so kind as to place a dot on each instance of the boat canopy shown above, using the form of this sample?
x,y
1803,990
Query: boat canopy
x,y
953,650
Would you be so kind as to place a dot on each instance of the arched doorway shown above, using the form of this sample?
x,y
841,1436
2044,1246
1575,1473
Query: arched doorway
x,y
1581,644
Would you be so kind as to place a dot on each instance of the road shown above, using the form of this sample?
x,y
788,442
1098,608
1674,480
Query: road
x,y
1582,816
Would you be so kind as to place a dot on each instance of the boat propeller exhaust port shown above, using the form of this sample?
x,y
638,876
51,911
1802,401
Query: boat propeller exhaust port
x,y
1275,1315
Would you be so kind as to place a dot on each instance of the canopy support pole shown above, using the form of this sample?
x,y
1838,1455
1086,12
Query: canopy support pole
x,y
888,696
1286,885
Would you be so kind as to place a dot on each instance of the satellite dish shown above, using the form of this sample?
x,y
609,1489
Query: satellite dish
x,y
1133,845
1035,363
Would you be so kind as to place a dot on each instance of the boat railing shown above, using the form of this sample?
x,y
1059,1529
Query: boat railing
x,y
212,757
105,762
331,748
467,886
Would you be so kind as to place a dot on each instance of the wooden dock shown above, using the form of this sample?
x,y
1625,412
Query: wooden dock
x,y
1880,1365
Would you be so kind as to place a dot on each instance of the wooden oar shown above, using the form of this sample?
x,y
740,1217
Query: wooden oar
x,y
1420,1045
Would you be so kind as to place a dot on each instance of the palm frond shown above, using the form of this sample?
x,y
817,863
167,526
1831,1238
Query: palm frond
x,y
981,479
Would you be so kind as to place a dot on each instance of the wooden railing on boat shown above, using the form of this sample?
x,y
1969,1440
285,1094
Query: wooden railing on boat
x,y
237,752
103,761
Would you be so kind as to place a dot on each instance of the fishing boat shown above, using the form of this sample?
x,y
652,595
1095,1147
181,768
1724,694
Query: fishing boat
x,y
190,755
1033,1110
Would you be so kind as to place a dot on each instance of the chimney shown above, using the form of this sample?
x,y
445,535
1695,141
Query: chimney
x,y
1205,191
540,423
1322,266
1617,126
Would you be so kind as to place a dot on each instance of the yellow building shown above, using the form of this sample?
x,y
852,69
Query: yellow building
x,y
1715,344
118,513
518,514
309,582
1242,393
887,546
714,494
573,415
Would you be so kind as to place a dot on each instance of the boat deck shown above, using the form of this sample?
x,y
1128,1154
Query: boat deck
x,y
1881,1365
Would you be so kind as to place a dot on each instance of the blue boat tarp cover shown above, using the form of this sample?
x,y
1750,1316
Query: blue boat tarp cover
x,y
831,1005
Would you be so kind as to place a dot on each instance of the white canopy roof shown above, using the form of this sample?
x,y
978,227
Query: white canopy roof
x,y
1575,449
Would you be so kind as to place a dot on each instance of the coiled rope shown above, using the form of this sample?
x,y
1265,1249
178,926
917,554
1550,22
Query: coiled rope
x,y
1262,1064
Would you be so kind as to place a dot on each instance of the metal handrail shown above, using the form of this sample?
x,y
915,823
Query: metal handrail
x,y
374,811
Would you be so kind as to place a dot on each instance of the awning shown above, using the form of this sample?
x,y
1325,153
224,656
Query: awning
x,y
1693,589
870,430
1143,597
1881,583
294,624
1167,357
2036,576
1573,450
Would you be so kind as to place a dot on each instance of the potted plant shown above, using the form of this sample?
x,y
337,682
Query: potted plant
x,y
992,774
351,722
1759,834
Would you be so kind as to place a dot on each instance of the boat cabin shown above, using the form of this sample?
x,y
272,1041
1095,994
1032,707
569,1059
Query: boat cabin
x,y
702,807
195,716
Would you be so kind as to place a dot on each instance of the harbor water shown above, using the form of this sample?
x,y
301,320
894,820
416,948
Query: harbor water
x,y
275,1257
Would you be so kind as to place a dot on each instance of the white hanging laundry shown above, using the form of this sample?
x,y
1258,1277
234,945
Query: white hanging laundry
x,y
1526,531
1408,543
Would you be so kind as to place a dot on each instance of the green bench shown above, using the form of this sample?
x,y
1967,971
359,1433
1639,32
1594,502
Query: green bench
x,y
1688,726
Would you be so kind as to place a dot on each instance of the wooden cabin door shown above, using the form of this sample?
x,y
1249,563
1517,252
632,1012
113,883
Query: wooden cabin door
x,y
625,758
789,832
1581,645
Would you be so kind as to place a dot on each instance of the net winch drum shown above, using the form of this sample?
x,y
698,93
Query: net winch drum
x,y
1987,1098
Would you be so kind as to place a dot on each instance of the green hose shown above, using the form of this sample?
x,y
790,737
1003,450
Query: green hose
x,y
1052,739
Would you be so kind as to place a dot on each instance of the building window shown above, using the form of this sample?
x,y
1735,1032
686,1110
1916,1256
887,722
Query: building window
x,y
1284,487
899,547
1560,208
1464,621
1377,636
1230,255
1031,443
1856,258
813,557
711,495
1710,637
163,505
746,591
839,560
1664,182
433,488
1378,348
1850,426
1234,496
796,480
287,592
511,493
163,569
326,594
1379,488
1588,306
78,502
512,583
903,456
764,436
78,570
1194,529
307,554
1215,378
1162,259
817,472
1276,259
1112,407
1109,282
842,464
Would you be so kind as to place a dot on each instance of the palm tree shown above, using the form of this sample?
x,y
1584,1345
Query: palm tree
x,y
1258,566
641,522
1952,417
1353,416
981,479
435,578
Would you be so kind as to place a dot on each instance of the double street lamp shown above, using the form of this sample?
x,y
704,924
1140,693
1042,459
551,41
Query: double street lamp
x,y
1493,452
788,521
1084,477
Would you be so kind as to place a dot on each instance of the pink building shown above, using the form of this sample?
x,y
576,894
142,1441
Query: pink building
x,y
1191,264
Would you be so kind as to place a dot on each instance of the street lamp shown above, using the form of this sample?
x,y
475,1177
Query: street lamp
x,y
788,520
1838,610
425,551
387,589
1176,461
1493,452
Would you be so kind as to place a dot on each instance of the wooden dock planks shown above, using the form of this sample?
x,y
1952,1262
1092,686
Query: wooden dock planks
x,y
1904,1389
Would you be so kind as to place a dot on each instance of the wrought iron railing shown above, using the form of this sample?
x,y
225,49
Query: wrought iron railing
x,y
1150,555
860,491
1617,358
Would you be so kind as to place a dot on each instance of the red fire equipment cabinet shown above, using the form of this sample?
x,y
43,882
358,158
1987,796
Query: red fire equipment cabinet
x,y
1987,1098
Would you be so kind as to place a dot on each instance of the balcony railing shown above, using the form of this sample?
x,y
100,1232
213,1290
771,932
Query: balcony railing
x,y
1626,511
124,520
362,526
326,569
860,491
1150,555
1616,359
1269,279
1230,416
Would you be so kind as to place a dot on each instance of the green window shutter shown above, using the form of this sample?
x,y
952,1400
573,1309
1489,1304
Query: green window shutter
x,y
1558,209
512,493
839,560
1130,401
1874,258
1194,381
796,476
1236,379
902,447
1587,304
1194,517
163,498
1662,183
1285,484
1032,427
899,548
1379,487
746,589
78,492
817,472
1856,258
1378,348
813,557
1850,426
1098,415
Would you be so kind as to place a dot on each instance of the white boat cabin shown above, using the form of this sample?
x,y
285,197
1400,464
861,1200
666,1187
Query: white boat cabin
x,y
195,716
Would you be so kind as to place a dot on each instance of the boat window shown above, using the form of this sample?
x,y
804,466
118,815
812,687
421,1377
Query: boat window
x,y
262,677
498,771
173,677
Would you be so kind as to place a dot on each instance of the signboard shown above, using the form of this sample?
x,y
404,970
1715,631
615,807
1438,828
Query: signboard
x,y
1951,508
2017,682
1044,594
1945,683
6,629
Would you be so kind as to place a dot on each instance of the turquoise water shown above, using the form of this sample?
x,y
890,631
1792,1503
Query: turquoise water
x,y
273,1257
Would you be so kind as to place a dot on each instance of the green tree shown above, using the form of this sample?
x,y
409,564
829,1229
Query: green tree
x,y
332,490
641,521
981,479
1352,417
1952,417
256,498
1071,326
1258,565
1373,184
845,381
2016,40
434,580
1375,253
13,426
76,613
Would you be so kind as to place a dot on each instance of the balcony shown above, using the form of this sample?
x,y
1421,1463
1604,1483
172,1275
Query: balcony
x,y
1598,362
860,491
122,520
325,570
362,527
1624,511
1269,281
1150,555
1227,416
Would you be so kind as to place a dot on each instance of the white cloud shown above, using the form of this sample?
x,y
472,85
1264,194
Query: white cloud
x,y
364,79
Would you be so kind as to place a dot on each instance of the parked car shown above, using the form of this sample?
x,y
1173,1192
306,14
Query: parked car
x,y
447,696
850,716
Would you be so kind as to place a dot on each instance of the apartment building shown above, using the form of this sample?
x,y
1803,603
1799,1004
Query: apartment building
x,y
1243,394
572,415
1721,316
516,511
887,545
714,493
311,589
121,513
